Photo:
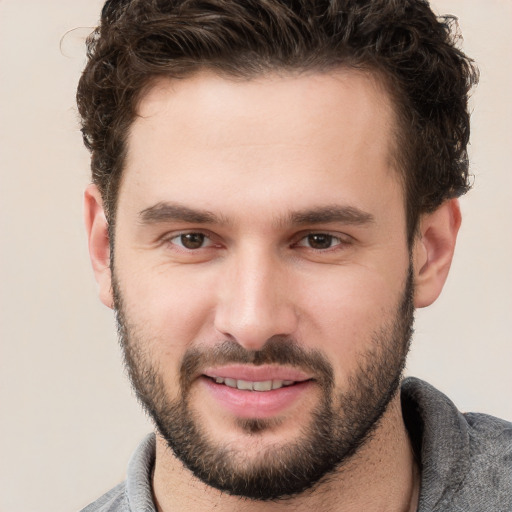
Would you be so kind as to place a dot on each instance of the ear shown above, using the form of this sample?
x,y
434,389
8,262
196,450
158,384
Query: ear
x,y
99,243
433,251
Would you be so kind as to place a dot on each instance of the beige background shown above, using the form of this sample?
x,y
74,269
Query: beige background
x,y
68,422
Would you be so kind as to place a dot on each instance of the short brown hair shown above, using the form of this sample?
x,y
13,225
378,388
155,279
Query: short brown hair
x,y
416,53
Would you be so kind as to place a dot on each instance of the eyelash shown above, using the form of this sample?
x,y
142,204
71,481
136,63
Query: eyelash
x,y
178,236
341,241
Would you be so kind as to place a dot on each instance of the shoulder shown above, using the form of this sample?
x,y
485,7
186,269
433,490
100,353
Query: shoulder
x,y
490,452
466,458
494,433
114,500
487,483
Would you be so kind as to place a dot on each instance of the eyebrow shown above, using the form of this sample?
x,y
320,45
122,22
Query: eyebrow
x,y
332,213
173,212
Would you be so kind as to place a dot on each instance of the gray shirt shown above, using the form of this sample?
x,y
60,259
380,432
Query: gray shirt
x,y
465,459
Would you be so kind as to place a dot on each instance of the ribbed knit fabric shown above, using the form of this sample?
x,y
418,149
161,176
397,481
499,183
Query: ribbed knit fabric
x,y
465,459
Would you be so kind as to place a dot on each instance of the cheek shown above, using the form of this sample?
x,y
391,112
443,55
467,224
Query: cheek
x,y
341,314
165,316
170,309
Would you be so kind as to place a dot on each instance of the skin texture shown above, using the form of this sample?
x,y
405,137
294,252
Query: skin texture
x,y
262,161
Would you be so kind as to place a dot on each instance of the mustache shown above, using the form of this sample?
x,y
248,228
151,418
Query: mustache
x,y
279,350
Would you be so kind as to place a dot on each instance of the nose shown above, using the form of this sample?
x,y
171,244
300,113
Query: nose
x,y
255,301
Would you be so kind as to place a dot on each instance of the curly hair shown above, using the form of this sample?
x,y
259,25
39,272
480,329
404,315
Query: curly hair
x,y
414,52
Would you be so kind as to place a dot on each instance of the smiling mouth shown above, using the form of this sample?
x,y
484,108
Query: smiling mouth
x,y
247,385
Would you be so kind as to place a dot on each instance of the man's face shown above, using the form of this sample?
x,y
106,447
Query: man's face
x,y
260,242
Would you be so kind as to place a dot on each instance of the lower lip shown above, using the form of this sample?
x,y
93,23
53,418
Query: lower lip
x,y
256,404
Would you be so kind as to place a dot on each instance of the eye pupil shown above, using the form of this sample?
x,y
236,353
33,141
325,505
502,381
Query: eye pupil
x,y
192,240
320,241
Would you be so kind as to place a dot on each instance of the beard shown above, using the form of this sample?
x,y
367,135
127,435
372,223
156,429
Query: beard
x,y
341,422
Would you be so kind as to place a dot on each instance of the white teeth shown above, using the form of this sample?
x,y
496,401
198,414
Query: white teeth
x,y
244,384
266,385
230,382
262,386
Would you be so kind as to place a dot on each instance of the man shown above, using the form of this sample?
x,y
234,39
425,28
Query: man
x,y
274,193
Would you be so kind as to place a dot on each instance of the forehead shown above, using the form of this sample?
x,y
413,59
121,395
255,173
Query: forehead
x,y
292,134
271,104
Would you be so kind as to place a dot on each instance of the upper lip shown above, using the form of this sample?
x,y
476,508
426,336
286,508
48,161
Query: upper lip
x,y
257,373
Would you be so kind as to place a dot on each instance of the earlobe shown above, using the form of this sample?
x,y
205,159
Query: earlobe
x,y
433,251
99,244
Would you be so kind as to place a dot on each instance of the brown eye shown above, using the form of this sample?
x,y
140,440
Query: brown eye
x,y
319,241
191,240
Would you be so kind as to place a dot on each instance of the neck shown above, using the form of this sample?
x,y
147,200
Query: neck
x,y
382,476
